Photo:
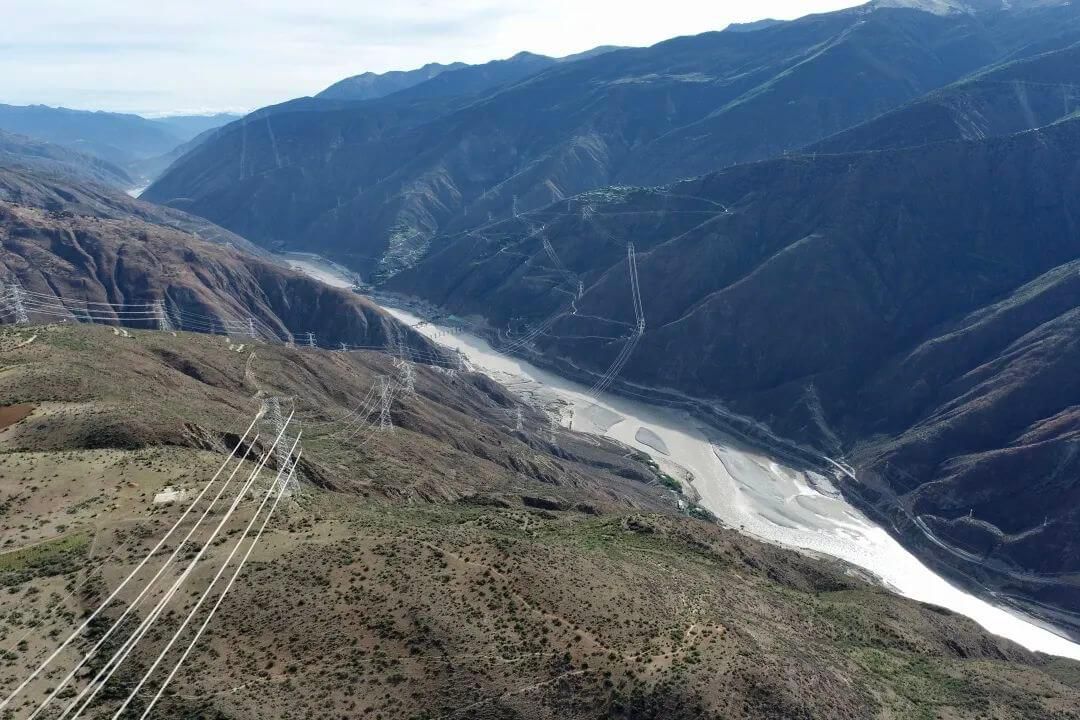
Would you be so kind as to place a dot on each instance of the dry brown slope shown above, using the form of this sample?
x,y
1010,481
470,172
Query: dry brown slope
x,y
415,578
117,264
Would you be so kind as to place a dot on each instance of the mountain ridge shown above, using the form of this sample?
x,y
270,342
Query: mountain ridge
x,y
432,167
73,245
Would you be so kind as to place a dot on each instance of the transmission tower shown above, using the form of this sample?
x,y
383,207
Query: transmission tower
x,y
163,322
292,482
386,397
406,378
519,425
311,340
17,297
251,328
275,421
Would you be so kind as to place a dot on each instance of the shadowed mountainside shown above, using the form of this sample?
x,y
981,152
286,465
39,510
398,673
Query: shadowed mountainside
x,y
370,184
1022,95
22,152
913,310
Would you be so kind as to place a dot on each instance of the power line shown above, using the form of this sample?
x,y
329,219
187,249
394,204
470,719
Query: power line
x,y
16,296
126,580
135,603
164,323
224,592
118,658
202,598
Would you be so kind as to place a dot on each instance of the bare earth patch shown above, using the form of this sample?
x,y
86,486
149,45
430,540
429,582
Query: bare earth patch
x,y
11,414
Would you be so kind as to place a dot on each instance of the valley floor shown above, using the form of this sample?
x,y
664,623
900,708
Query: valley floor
x,y
743,487
746,489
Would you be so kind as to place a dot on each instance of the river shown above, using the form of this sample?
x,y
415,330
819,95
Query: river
x,y
743,487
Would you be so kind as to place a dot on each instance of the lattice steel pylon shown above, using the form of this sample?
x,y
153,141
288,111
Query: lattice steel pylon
x,y
311,340
17,297
275,421
163,322
407,378
386,397
251,328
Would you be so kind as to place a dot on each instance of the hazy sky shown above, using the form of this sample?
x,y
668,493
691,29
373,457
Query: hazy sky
x,y
163,56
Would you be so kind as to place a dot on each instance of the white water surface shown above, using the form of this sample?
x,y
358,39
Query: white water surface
x,y
743,487
320,268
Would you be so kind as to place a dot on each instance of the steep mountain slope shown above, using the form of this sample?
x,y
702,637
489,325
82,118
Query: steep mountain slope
x,y
102,262
454,566
145,171
370,185
952,7
188,127
20,151
369,85
913,310
1021,95
58,193
115,137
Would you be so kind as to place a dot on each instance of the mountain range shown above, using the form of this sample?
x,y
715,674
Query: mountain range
x,y
20,151
141,147
873,258
877,306
848,244
456,78
371,184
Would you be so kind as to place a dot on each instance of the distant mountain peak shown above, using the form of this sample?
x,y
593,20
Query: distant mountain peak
x,y
371,85
752,26
956,7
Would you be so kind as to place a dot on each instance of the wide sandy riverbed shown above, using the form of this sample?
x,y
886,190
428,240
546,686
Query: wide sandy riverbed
x,y
743,487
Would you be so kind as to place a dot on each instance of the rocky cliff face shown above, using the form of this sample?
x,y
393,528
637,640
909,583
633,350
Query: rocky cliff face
x,y
914,310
